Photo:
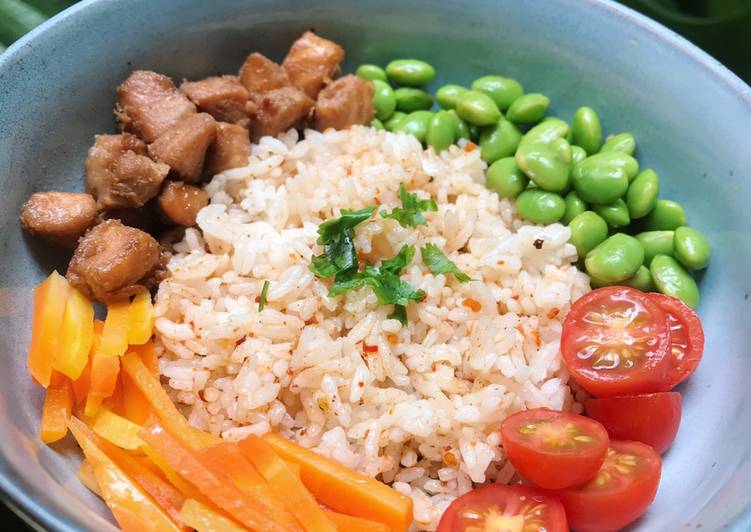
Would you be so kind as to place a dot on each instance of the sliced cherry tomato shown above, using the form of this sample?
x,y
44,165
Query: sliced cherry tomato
x,y
616,341
652,419
496,507
686,339
554,449
621,492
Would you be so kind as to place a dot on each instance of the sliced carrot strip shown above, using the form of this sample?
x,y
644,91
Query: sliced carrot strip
x,y
82,384
347,523
203,519
50,298
345,490
284,484
136,407
115,402
57,409
115,333
104,371
140,319
186,488
117,430
76,335
133,508
216,487
148,355
85,475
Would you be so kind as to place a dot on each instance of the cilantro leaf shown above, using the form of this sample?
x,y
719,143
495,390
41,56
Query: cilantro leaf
x,y
337,237
329,230
400,313
410,213
264,293
437,262
397,263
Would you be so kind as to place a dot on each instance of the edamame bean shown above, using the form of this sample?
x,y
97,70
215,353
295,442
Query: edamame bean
x,y
499,141
546,131
691,248
409,99
528,109
574,207
377,124
666,215
655,243
616,259
672,279
641,196
563,149
629,164
622,142
384,99
578,154
641,280
599,181
441,132
505,178
391,123
415,123
477,108
588,230
543,165
447,95
586,129
461,131
410,72
615,214
372,72
540,207
502,90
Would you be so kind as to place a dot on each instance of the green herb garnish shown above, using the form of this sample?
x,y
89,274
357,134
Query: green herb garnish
x,y
437,263
410,213
337,237
264,292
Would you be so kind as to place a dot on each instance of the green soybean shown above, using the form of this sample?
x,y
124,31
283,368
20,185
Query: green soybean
x,y
616,259
503,91
372,72
410,72
563,149
586,130
499,141
377,124
540,207
628,163
384,100
641,196
477,108
505,178
441,131
546,131
415,123
461,131
574,207
598,180
641,280
588,230
528,109
691,248
622,142
666,215
615,213
655,243
474,132
447,95
578,154
544,166
672,279
391,123
409,99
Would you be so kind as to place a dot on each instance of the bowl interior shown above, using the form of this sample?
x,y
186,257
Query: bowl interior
x,y
691,119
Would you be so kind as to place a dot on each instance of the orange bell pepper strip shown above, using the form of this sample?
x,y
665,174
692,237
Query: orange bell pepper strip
x,y
136,407
347,523
345,490
117,430
132,507
116,326
285,484
50,298
104,372
204,519
76,335
147,353
186,488
85,475
57,409
82,384
216,487
140,319
163,406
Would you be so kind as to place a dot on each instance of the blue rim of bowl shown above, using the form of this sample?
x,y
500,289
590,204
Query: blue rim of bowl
x,y
39,517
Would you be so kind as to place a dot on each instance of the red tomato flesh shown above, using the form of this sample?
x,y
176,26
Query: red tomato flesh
x,y
554,449
495,507
616,341
621,492
652,419
686,339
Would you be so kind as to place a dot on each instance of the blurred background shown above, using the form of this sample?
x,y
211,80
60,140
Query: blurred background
x,y
721,27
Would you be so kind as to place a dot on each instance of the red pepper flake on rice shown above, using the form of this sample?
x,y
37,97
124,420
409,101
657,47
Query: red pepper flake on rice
x,y
368,348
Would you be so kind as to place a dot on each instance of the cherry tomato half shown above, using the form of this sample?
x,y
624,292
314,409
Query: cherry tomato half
x,y
621,492
554,449
686,339
616,341
496,507
652,419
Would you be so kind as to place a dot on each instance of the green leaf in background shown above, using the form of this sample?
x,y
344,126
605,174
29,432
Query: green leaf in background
x,y
17,17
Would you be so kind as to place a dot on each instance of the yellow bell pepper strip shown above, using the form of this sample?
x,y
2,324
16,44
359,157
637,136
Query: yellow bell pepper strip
x,y
85,475
285,485
140,319
76,335
345,490
116,429
163,406
347,523
116,326
185,488
104,372
50,298
216,487
132,507
57,409
82,384
203,519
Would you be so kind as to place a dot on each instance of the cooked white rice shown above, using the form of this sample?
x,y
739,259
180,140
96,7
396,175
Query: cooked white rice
x,y
418,406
